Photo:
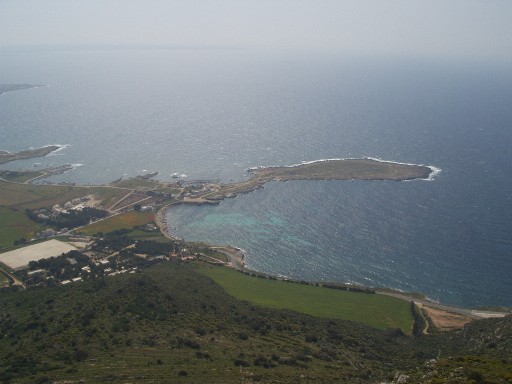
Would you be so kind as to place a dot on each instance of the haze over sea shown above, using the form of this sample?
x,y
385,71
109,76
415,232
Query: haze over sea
x,y
212,113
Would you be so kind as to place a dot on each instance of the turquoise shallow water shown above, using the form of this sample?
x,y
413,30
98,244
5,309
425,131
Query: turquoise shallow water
x,y
371,233
214,113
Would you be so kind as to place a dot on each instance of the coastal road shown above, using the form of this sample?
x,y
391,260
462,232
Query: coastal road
x,y
234,256
475,314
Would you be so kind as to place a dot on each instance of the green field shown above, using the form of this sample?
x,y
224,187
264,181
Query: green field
x,y
169,190
107,195
137,183
14,225
124,220
15,198
35,196
375,310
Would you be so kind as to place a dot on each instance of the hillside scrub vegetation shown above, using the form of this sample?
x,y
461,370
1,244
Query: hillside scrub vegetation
x,y
170,323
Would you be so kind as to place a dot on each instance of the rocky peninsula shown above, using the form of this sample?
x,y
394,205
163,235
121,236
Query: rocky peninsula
x,y
16,87
5,156
332,169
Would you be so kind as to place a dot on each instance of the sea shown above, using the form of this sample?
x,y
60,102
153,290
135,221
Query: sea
x,y
212,113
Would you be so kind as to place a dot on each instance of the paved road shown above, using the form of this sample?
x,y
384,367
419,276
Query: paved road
x,y
234,256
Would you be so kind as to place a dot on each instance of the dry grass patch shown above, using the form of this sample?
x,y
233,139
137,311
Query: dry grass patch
x,y
446,321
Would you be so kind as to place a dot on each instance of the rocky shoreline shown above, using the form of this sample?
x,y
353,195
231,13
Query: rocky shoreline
x,y
6,156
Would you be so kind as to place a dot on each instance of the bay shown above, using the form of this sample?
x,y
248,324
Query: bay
x,y
211,114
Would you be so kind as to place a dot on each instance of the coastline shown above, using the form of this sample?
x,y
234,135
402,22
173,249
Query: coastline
x,y
6,156
326,169
323,169
212,193
236,257
161,221
433,170
5,88
346,169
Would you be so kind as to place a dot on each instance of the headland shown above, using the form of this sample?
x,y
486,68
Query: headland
x,y
6,157
332,169
16,87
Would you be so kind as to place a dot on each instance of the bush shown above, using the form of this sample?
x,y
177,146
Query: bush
x,y
183,341
80,355
241,363
311,338
475,376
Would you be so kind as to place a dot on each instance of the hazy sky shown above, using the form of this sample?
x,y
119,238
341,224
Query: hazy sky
x,y
433,28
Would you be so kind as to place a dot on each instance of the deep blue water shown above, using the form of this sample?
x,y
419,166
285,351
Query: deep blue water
x,y
214,113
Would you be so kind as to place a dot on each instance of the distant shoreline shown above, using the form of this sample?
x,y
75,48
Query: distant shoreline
x,y
4,88
6,156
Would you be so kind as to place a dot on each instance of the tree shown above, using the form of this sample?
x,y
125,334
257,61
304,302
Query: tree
x,y
20,241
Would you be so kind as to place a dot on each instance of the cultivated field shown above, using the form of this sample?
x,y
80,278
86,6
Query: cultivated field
x,y
16,198
125,220
137,183
375,310
22,256
35,196
14,225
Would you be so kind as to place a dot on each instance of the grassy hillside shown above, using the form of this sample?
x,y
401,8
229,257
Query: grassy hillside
x,y
171,319
171,323
374,310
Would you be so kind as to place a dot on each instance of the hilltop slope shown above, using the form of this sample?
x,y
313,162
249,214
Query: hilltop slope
x,y
170,323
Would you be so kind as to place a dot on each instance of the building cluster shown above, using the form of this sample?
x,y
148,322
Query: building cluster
x,y
50,232
45,214
76,204
96,261
200,188
147,208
